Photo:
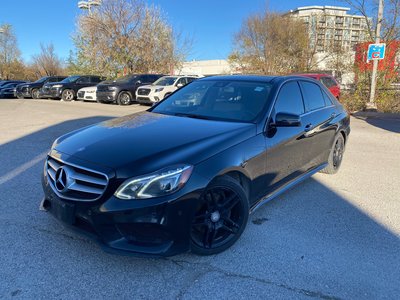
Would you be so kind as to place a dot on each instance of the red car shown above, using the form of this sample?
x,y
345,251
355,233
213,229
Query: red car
x,y
328,80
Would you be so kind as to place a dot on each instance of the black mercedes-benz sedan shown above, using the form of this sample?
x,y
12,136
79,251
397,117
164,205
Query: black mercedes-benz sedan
x,y
186,174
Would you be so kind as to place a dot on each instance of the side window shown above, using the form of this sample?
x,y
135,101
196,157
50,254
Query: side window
x,y
181,81
95,79
313,98
53,79
144,79
328,100
83,80
190,79
289,99
328,82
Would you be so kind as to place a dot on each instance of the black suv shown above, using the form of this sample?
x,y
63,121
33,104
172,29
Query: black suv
x,y
123,89
31,90
67,88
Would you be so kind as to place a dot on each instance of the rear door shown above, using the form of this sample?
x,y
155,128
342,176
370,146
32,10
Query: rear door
x,y
82,82
320,130
286,146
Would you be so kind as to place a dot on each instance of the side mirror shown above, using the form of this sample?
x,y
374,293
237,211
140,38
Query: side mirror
x,y
138,82
283,119
179,85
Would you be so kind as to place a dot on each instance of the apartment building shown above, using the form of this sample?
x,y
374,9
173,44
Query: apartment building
x,y
332,26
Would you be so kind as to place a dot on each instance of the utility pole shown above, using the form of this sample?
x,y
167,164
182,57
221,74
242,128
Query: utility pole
x,y
372,103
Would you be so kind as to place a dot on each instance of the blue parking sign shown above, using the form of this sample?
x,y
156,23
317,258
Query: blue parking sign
x,y
376,51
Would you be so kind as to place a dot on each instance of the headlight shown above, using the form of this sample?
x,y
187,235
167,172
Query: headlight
x,y
57,86
158,90
161,183
112,88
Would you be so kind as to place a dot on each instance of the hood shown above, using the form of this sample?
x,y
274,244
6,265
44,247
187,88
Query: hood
x,y
145,142
89,89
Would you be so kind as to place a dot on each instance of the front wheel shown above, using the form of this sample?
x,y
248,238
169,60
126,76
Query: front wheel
x,y
124,98
220,218
35,94
68,95
335,156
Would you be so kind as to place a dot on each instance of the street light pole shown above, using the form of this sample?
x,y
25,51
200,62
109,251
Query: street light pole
x,y
372,103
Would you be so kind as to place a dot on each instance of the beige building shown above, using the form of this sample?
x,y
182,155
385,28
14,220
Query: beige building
x,y
332,26
205,67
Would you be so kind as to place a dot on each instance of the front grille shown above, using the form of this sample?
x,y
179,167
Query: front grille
x,y
81,94
74,182
143,92
102,88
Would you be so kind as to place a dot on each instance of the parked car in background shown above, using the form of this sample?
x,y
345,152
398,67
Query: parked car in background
x,y
8,90
328,80
4,82
187,177
87,94
31,90
123,89
162,88
67,89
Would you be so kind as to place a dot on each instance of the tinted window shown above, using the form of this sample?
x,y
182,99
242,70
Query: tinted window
x,y
313,98
328,100
328,82
289,99
181,81
95,79
190,79
54,79
84,80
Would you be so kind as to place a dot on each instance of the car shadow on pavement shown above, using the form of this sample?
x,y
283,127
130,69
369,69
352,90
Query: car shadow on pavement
x,y
311,241
390,122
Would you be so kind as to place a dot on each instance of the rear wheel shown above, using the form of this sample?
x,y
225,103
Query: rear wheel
x,y
35,94
68,95
220,218
124,98
336,155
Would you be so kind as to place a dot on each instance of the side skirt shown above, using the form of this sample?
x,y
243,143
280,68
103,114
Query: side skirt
x,y
286,187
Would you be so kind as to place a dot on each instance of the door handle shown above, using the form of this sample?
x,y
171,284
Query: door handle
x,y
308,127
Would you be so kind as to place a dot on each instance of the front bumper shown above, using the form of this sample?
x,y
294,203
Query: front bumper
x,y
149,99
151,227
25,92
106,96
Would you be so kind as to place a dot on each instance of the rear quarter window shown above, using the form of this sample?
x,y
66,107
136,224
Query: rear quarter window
x,y
313,97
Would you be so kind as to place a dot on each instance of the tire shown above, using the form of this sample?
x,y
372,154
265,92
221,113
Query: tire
x,y
220,218
165,96
335,156
68,95
35,94
124,98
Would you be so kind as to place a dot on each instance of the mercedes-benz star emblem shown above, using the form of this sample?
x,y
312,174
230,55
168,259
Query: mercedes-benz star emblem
x,y
61,182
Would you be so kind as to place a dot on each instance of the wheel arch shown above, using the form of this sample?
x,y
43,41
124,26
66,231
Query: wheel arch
x,y
240,177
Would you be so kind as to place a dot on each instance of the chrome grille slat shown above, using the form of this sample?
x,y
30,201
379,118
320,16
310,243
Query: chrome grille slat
x,y
85,189
52,174
83,177
81,184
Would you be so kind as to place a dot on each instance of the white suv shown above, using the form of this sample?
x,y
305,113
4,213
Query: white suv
x,y
149,94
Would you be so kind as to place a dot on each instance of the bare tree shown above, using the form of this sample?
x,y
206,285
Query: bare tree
x,y
264,46
391,22
125,36
9,53
46,63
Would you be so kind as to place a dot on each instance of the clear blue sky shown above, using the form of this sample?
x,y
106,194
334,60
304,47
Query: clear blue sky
x,y
211,23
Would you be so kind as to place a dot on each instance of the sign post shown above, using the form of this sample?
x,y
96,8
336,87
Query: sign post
x,y
377,52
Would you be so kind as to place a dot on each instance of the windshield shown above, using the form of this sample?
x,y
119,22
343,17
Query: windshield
x,y
240,101
70,79
43,79
164,81
126,78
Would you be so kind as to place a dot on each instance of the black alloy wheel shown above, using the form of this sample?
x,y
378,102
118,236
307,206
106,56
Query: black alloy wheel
x,y
335,156
220,218
124,98
35,94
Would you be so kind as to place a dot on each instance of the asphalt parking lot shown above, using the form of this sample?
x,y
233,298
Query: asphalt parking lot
x,y
332,237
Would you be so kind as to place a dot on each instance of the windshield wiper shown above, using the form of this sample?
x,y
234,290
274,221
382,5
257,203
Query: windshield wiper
x,y
192,116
